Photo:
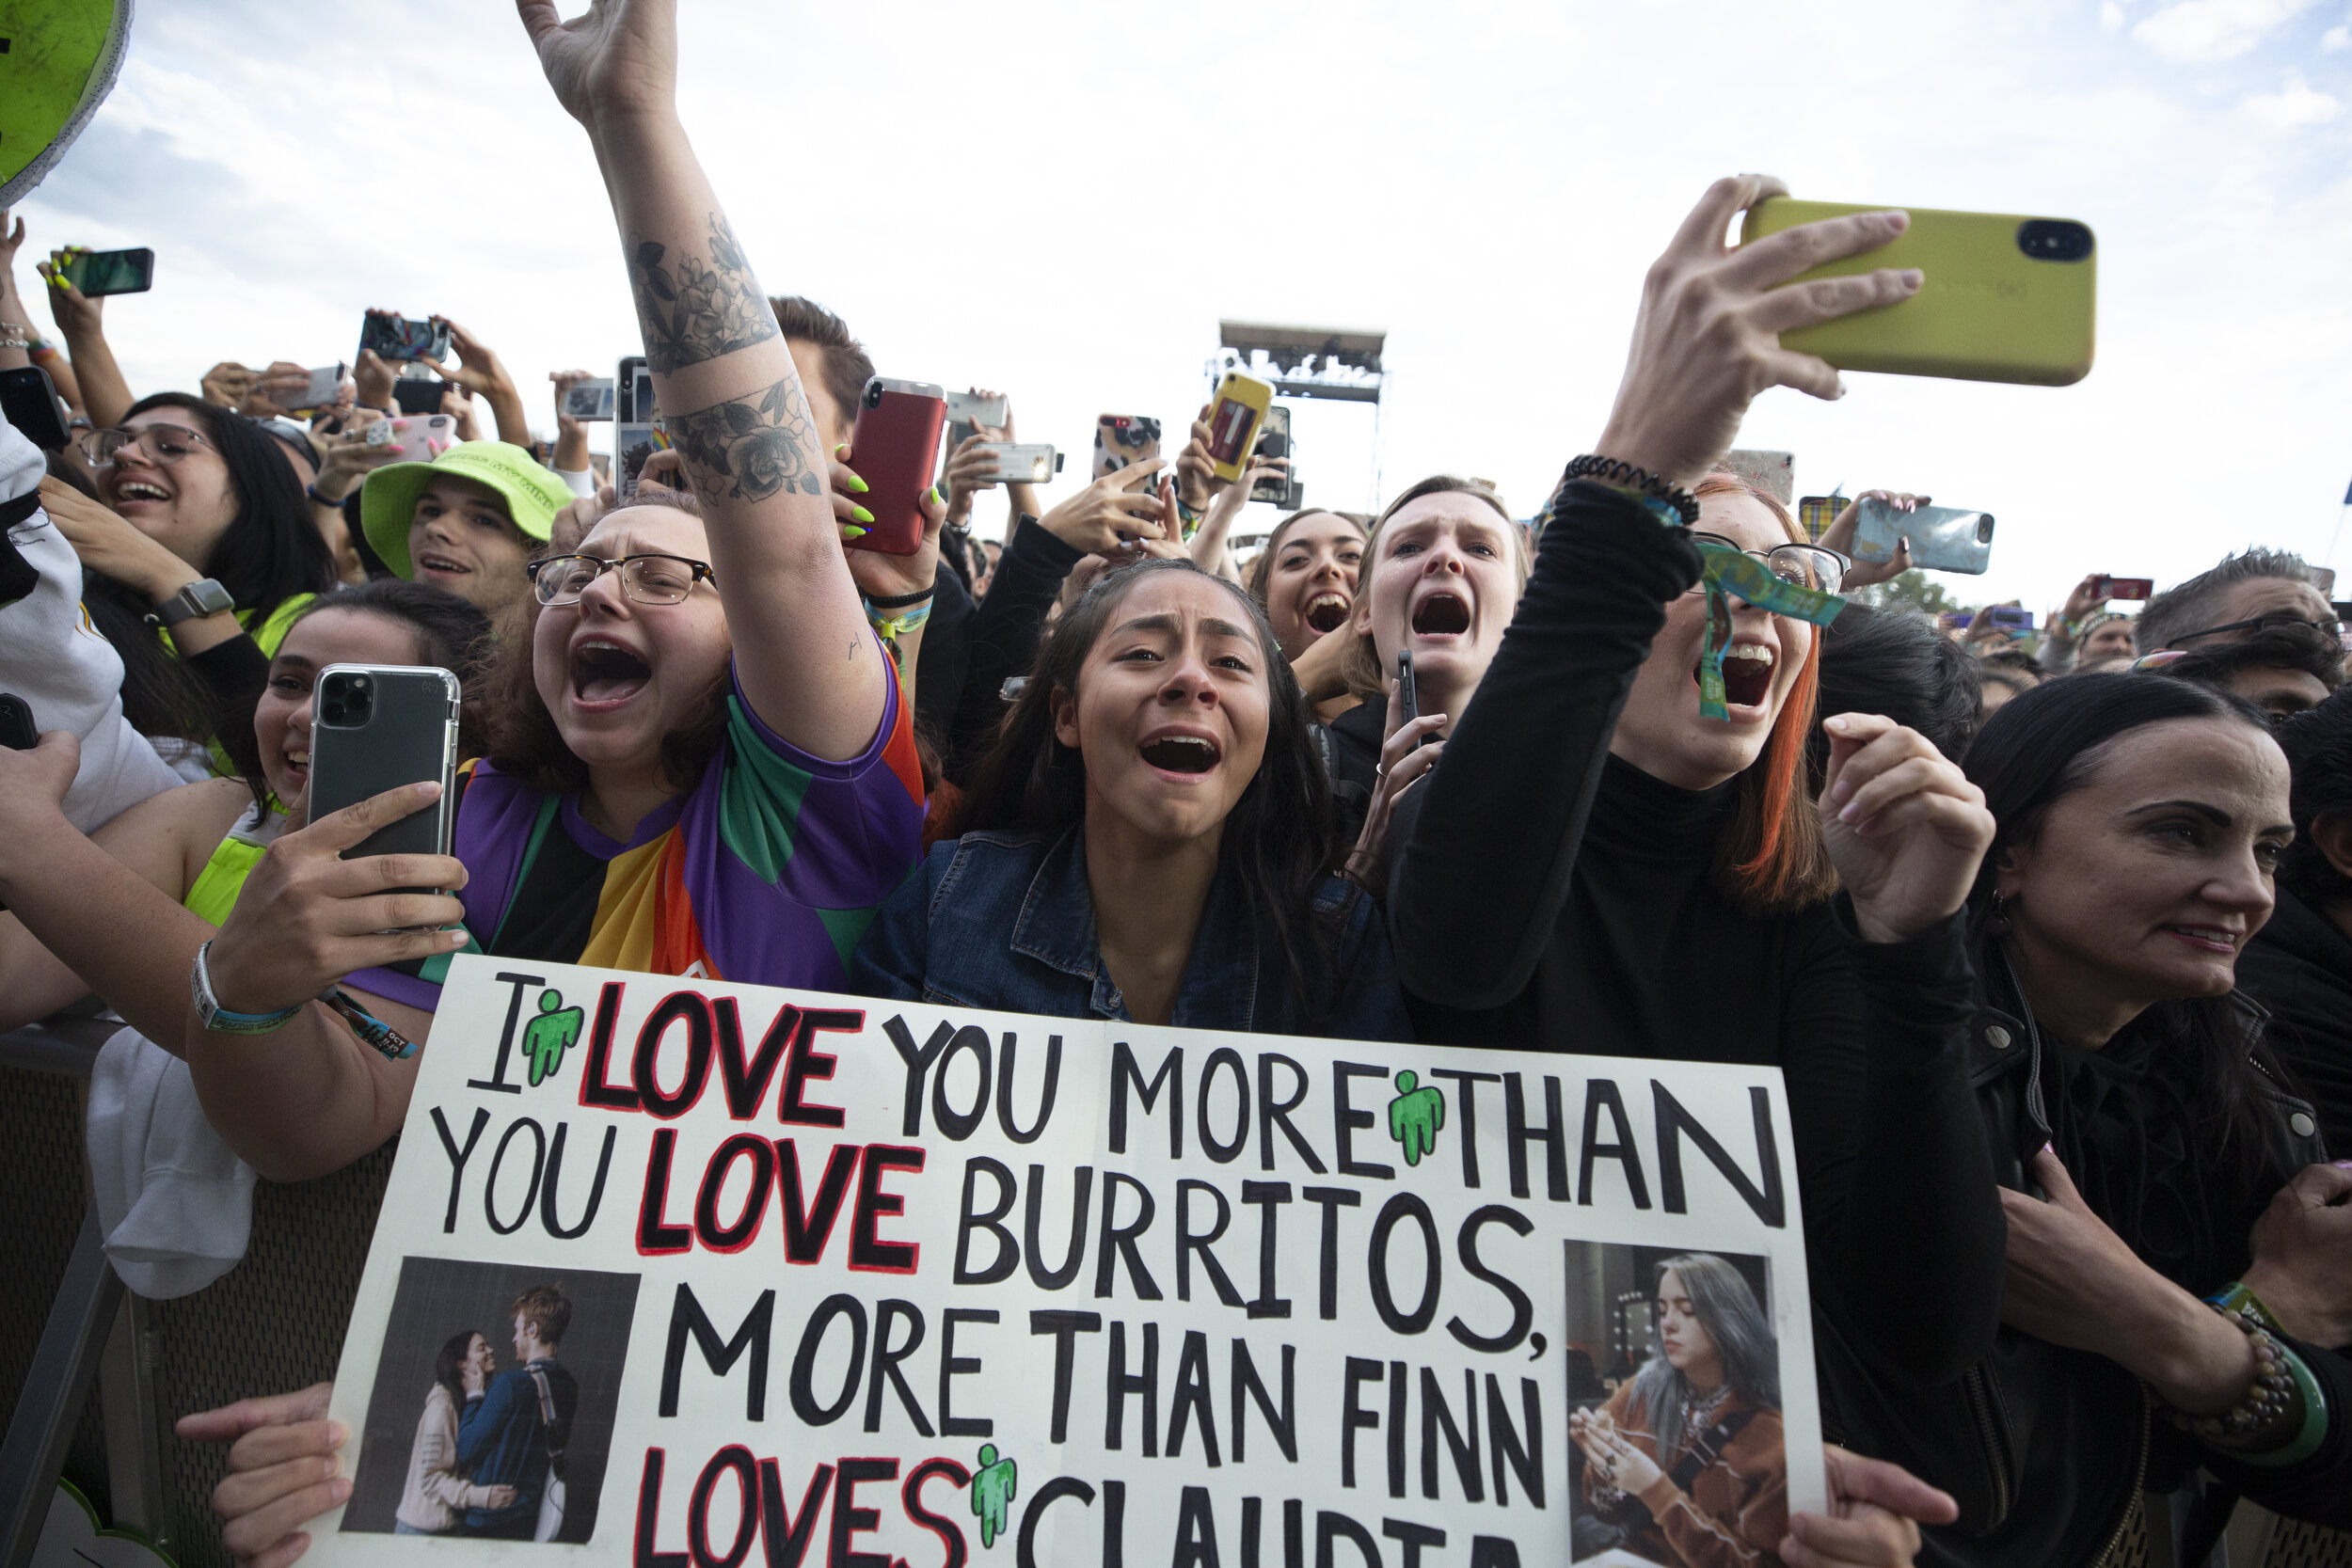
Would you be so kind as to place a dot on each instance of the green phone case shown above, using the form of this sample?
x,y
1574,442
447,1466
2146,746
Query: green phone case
x,y
1986,311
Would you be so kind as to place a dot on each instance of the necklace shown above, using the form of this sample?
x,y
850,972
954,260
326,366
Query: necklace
x,y
1698,1411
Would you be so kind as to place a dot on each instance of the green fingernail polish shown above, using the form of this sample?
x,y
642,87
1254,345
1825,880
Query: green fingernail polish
x,y
861,515
855,485
852,531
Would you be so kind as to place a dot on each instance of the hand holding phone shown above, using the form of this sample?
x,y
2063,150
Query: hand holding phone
x,y
2122,588
376,727
1234,416
395,336
420,437
894,447
18,732
98,273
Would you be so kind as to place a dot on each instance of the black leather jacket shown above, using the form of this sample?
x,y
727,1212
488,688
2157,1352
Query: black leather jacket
x,y
2044,1448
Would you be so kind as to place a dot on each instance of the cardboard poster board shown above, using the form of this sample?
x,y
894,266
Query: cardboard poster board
x,y
775,1279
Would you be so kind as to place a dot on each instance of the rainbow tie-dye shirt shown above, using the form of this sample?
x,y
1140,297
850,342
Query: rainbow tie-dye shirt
x,y
765,872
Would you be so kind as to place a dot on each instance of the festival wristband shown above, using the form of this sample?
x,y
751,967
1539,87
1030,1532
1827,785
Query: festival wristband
x,y
892,627
382,1037
1728,572
2236,1297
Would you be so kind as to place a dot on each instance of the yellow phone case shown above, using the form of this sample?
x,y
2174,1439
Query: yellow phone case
x,y
1234,415
1987,309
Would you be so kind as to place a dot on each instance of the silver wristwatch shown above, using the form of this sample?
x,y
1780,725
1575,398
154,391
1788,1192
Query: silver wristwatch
x,y
204,597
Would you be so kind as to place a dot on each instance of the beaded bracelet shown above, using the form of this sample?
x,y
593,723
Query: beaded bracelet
x,y
1611,472
2266,1399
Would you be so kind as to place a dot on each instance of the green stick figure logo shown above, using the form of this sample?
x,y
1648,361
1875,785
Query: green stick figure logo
x,y
1415,1115
992,1486
545,1038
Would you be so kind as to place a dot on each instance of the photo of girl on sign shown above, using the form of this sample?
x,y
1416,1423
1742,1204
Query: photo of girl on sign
x,y
1684,1463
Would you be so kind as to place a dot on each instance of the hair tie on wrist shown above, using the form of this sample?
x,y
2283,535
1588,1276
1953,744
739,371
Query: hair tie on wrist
x,y
899,601
1609,470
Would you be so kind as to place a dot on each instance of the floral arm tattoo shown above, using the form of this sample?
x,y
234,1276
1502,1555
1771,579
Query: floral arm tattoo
x,y
694,310
751,448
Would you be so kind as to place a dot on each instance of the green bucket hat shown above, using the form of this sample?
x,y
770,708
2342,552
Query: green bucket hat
x,y
388,502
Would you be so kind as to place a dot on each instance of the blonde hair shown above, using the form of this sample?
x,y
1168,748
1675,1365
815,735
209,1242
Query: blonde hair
x,y
1360,663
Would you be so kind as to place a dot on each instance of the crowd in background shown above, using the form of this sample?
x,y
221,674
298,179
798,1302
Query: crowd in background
x,y
2050,934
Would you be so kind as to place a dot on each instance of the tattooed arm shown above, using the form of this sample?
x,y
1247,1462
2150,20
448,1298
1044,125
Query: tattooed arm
x,y
804,655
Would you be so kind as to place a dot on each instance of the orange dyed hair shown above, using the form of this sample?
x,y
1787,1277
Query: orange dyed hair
x,y
1775,861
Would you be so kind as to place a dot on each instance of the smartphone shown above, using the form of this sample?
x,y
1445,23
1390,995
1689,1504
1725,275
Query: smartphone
x,y
376,727
2122,588
1408,698
1234,415
394,336
969,408
110,272
18,732
1025,462
420,438
589,400
894,448
327,385
1273,440
1816,512
1943,538
2009,617
414,394
29,401
637,431
1122,439
2005,297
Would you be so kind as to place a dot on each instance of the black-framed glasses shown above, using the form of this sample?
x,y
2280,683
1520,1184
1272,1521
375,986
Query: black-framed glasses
x,y
2272,621
647,579
165,443
1807,565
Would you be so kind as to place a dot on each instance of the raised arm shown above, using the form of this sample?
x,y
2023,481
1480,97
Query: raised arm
x,y
804,657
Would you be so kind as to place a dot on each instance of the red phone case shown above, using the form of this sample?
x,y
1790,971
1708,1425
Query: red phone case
x,y
895,450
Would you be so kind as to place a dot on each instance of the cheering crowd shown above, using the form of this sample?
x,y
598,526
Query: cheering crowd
x,y
2053,947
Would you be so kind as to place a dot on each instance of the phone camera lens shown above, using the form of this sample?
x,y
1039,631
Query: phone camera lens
x,y
874,393
2054,240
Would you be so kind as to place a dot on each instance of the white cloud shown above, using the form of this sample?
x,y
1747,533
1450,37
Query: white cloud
x,y
2335,38
2296,104
2207,30
2110,17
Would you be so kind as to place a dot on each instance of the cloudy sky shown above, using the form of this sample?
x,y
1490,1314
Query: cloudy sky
x,y
1061,200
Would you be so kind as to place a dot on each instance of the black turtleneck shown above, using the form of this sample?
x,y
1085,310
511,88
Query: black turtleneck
x,y
1546,896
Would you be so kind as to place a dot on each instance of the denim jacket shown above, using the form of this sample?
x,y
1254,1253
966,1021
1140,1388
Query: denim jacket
x,y
1006,921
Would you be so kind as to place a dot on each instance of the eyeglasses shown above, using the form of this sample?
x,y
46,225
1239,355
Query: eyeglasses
x,y
163,443
646,578
1807,565
2270,622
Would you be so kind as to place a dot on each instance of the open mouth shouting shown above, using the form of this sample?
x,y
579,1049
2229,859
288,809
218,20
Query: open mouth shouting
x,y
1327,611
1747,674
1180,754
1443,613
605,674
439,564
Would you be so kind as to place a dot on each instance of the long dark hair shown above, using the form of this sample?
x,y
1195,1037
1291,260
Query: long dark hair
x,y
1281,835
272,549
2046,743
449,1368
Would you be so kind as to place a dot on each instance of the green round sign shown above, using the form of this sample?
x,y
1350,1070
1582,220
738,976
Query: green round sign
x,y
57,62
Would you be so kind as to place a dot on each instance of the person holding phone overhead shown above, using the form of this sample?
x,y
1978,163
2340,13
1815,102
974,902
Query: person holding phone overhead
x,y
1599,865
700,758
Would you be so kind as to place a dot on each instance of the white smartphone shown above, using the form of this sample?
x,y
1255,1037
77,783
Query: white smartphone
x,y
327,385
589,400
420,438
969,408
1024,463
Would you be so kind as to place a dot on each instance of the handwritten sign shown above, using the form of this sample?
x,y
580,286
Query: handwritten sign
x,y
673,1273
